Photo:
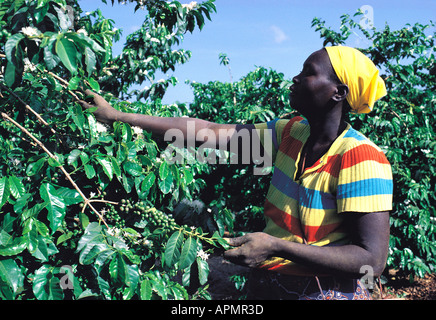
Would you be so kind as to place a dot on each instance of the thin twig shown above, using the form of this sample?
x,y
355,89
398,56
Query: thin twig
x,y
64,83
104,201
67,175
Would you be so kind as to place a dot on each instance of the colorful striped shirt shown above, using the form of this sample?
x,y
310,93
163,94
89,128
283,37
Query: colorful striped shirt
x,y
352,176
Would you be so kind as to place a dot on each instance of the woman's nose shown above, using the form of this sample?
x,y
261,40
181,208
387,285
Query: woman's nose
x,y
295,79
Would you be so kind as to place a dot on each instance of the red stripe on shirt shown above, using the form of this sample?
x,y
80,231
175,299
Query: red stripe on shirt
x,y
291,147
333,165
292,224
289,125
362,153
316,233
283,219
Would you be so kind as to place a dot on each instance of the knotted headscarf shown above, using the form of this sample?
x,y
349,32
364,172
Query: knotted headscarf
x,y
361,76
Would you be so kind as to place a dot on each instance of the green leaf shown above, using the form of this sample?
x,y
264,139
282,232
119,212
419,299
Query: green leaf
x,y
148,182
116,167
16,246
90,61
74,82
145,290
131,282
4,191
163,170
70,196
188,254
16,187
11,278
172,250
12,45
89,171
67,52
76,113
64,237
132,168
107,167
166,185
203,270
45,285
93,246
34,167
189,177
44,248
94,84
55,206
73,156
51,60
118,269
10,74
53,162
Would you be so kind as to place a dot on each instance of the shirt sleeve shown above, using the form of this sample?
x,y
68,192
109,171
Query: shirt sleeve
x,y
365,181
269,134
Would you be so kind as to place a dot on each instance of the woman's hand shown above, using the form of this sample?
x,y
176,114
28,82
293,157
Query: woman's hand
x,y
252,249
105,112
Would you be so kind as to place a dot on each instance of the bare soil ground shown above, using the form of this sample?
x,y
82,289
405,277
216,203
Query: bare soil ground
x,y
400,287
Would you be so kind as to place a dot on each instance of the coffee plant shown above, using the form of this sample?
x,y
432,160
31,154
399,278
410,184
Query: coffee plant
x,y
94,211
86,207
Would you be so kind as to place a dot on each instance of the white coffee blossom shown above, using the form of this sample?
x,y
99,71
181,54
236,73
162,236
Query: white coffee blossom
x,y
114,231
100,127
148,243
82,31
137,130
30,31
29,66
202,255
190,6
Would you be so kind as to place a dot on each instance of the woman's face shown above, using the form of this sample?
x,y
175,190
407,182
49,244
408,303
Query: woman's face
x,y
313,88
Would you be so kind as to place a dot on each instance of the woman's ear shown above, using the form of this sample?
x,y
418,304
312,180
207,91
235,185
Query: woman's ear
x,y
341,92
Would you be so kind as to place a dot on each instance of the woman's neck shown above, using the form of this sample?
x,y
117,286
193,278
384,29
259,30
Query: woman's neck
x,y
324,130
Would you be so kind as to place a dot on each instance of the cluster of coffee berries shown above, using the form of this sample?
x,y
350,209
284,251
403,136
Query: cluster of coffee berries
x,y
144,211
112,216
159,219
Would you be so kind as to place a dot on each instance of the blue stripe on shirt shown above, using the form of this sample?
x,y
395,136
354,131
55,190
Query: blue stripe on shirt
x,y
354,134
285,184
315,199
363,188
308,198
272,126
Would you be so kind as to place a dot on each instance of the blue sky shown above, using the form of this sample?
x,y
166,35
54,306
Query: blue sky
x,y
274,34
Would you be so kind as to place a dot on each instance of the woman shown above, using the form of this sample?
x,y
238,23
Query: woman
x,y
327,208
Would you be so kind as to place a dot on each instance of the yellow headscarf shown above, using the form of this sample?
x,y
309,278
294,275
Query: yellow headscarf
x,y
361,76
